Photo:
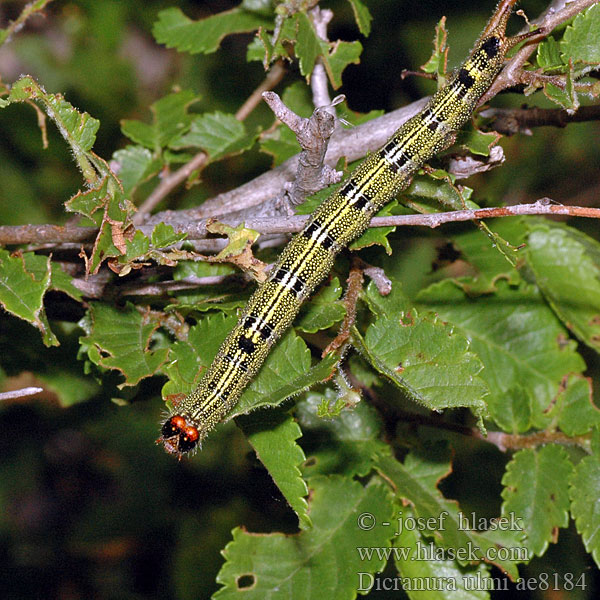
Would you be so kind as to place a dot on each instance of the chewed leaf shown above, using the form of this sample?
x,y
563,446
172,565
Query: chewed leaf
x,y
22,290
121,339
175,30
77,128
278,565
273,436
362,16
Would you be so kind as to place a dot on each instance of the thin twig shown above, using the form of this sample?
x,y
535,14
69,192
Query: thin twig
x,y
555,15
355,283
509,121
26,234
22,393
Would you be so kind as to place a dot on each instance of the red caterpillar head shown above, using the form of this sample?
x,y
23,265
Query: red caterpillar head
x,y
178,435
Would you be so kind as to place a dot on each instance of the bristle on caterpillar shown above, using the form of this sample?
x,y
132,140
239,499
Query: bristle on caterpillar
x,y
339,220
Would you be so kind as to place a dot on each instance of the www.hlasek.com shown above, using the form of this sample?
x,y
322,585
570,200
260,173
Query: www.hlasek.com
x,y
470,552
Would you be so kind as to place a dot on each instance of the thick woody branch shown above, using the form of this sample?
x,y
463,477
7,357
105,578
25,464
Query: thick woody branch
x,y
352,143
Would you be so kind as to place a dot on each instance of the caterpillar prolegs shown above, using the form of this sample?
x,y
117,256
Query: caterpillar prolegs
x,y
341,218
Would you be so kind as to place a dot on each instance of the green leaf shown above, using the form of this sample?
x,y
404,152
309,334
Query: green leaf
x,y
536,492
490,264
323,310
581,41
584,491
566,264
285,373
420,560
516,414
121,339
273,436
77,128
439,56
362,16
348,443
175,30
517,338
548,54
308,44
22,291
566,97
216,133
340,56
170,119
106,206
574,408
60,281
316,563
377,235
415,482
423,356
164,236
134,165
477,142
188,359
392,306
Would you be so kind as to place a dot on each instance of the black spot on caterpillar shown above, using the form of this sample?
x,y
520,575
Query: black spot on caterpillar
x,y
341,218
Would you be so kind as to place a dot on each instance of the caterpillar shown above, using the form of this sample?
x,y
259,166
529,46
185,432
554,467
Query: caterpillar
x,y
340,219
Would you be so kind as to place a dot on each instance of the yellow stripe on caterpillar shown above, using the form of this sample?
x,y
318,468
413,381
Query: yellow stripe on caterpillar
x,y
340,219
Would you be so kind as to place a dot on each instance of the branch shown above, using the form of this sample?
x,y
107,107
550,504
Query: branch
x,y
22,393
557,13
509,121
25,234
351,143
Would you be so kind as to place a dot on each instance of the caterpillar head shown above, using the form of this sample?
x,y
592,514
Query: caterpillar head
x,y
179,435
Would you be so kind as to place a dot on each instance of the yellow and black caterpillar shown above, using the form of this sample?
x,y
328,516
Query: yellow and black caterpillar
x,y
309,256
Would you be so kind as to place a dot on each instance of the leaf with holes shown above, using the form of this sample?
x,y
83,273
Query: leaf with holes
x,y
316,563
121,339
22,291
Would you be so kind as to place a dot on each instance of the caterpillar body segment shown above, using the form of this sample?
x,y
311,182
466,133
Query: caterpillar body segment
x,y
340,219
